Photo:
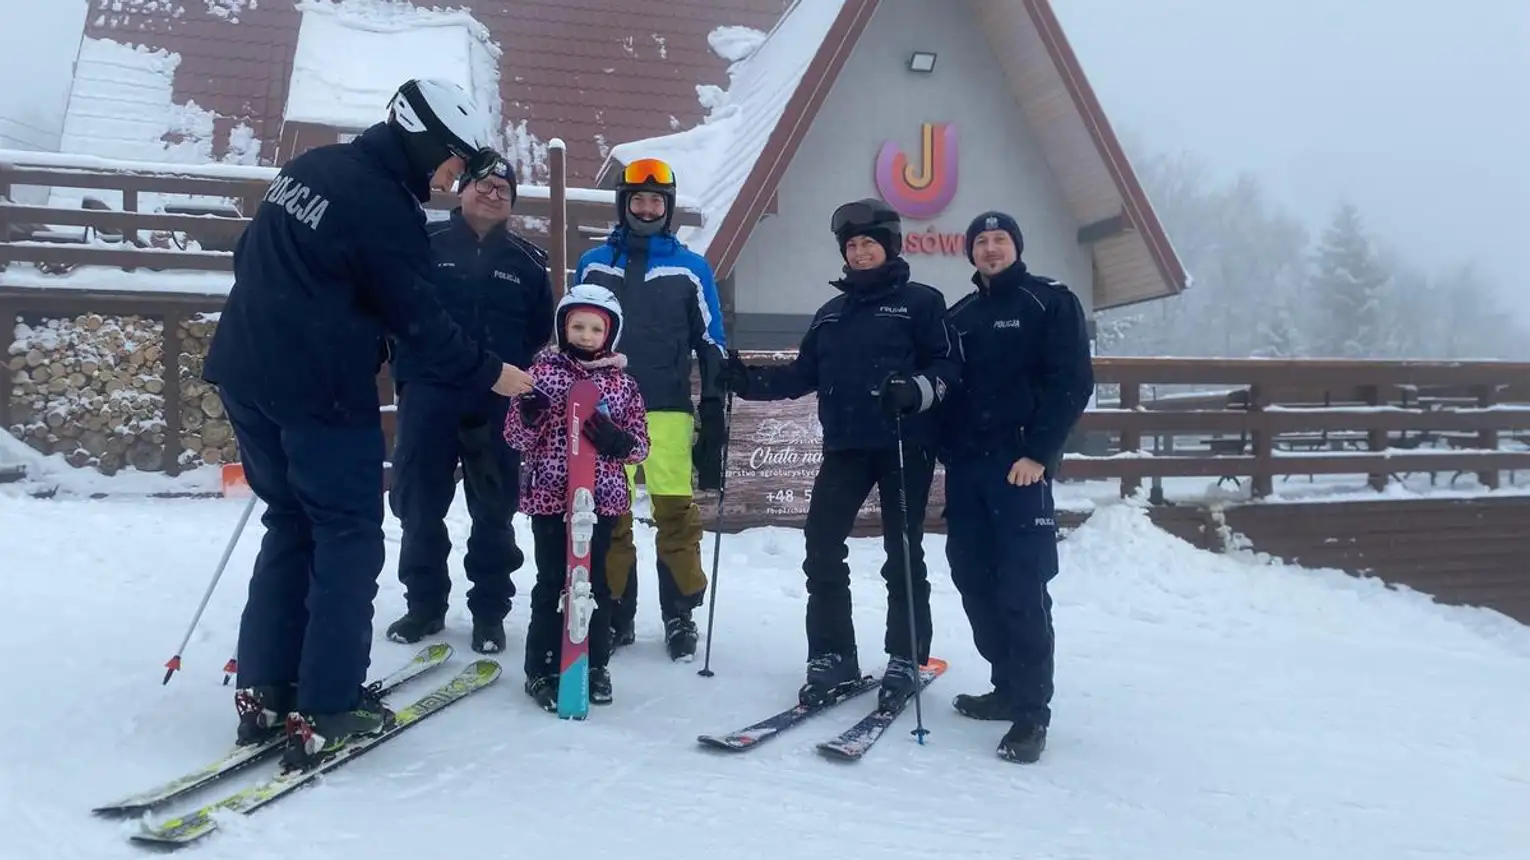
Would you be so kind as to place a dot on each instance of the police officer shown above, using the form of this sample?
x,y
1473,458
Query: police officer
x,y
879,350
495,285
1026,379
334,258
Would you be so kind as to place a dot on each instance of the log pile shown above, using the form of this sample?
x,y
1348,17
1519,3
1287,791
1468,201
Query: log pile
x,y
206,435
92,389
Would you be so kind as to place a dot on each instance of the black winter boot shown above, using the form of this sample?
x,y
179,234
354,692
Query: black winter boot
x,y
544,690
623,628
600,686
898,683
680,637
488,636
989,706
263,712
1023,743
413,627
826,673
311,738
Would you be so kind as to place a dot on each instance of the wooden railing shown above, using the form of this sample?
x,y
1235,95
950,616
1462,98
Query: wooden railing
x,y
198,231
1383,419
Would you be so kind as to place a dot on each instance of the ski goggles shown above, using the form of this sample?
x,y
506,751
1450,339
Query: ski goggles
x,y
857,215
483,163
648,170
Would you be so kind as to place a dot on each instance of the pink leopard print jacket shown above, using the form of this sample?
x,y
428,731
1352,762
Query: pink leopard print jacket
x,y
544,448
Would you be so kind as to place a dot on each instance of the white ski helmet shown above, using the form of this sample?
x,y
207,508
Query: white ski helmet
x,y
590,296
439,118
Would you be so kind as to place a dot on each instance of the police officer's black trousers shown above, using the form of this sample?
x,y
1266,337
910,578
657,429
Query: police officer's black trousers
x,y
308,618
437,429
845,479
1001,542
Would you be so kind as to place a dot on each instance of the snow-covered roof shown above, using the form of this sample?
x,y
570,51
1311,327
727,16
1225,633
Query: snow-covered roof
x,y
353,54
713,160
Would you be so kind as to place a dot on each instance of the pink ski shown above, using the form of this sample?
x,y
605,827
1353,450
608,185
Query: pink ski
x,y
577,602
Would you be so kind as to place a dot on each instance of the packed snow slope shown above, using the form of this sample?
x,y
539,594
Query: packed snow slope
x,y
1207,707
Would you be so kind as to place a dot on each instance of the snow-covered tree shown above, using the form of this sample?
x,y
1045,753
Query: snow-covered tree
x,y
1349,285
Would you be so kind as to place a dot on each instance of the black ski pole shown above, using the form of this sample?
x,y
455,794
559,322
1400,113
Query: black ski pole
x,y
908,585
722,490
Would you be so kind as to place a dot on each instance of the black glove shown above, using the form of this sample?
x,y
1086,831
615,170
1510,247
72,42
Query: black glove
x,y
609,440
735,374
533,404
706,454
899,394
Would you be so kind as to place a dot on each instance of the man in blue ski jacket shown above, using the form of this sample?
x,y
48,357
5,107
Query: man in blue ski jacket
x,y
1025,382
669,298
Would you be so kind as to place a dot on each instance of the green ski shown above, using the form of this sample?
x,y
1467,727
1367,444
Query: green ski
x,y
240,758
199,823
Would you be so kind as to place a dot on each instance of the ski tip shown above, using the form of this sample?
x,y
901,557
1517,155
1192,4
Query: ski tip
x,y
436,652
485,671
934,664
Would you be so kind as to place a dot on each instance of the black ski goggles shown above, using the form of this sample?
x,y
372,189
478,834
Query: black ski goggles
x,y
482,164
858,215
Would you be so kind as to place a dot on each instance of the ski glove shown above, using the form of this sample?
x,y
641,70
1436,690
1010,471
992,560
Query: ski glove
x,y
609,440
735,374
706,454
899,395
533,404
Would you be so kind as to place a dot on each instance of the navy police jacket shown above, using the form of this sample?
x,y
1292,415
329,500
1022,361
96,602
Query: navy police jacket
x,y
1027,373
496,288
881,323
334,260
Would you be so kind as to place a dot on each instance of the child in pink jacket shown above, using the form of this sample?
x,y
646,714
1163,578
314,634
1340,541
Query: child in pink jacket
x,y
588,325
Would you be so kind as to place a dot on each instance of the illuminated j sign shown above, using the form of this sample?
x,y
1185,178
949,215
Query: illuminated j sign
x,y
924,189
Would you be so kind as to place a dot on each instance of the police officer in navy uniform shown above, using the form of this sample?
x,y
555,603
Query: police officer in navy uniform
x,y
335,259
1026,378
495,285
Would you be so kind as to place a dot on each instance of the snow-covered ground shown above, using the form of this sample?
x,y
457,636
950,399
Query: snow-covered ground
x,y
1207,707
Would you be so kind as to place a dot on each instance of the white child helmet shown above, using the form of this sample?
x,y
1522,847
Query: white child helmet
x,y
590,296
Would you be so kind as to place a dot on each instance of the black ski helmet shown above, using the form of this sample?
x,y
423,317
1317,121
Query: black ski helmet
x,y
646,174
868,217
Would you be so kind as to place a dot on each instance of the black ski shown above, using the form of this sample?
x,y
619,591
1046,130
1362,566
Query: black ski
x,y
753,735
854,742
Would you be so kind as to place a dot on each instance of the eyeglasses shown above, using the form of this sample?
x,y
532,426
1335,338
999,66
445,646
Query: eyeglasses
x,y
646,170
490,188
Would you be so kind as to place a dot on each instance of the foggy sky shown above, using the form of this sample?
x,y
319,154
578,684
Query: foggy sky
x,y
1415,110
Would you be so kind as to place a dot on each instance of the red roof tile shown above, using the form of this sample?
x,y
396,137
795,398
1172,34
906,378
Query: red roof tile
x,y
582,70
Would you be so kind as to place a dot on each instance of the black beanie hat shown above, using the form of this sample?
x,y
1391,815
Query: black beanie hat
x,y
995,220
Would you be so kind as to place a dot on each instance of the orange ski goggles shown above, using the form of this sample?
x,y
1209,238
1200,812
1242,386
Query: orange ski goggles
x,y
648,170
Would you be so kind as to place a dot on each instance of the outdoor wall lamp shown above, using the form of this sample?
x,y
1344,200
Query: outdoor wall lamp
x,y
922,61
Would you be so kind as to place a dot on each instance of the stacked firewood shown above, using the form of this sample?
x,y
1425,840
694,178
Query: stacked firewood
x,y
92,389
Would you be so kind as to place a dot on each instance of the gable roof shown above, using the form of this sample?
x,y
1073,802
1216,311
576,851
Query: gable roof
x,y
791,74
719,155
